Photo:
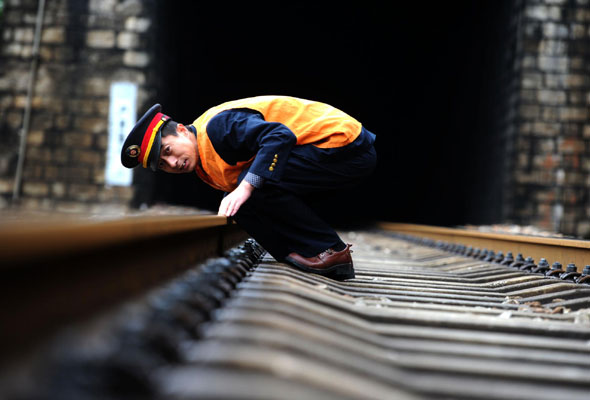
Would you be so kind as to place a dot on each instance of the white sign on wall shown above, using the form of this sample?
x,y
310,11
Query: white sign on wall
x,y
123,99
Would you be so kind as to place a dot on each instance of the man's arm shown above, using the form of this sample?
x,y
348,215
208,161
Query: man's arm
x,y
238,135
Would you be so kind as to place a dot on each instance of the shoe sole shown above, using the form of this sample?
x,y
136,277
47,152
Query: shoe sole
x,y
339,272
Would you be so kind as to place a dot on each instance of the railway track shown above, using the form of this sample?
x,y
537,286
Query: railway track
x,y
427,317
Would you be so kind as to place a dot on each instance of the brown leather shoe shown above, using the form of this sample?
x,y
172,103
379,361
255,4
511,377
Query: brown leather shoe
x,y
332,264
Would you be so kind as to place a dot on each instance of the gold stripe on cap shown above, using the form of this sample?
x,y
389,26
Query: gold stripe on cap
x,y
151,142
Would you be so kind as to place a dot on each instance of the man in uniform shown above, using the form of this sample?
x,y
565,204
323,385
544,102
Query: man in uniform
x,y
267,153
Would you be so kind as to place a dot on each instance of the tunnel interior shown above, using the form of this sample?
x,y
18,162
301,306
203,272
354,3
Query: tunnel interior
x,y
419,77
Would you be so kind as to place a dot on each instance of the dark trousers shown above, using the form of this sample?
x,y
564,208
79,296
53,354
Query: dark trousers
x,y
279,217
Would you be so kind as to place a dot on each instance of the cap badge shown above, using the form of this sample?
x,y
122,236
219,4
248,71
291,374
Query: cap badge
x,y
133,151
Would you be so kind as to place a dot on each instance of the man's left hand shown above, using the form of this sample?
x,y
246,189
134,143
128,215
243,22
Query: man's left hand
x,y
232,202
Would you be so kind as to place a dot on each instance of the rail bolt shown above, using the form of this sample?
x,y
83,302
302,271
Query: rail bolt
x,y
585,277
483,254
508,260
529,264
555,271
518,262
499,257
571,273
542,267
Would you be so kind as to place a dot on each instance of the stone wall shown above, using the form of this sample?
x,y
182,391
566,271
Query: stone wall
x,y
85,46
549,150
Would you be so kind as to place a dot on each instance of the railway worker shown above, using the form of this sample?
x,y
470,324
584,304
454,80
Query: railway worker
x,y
267,153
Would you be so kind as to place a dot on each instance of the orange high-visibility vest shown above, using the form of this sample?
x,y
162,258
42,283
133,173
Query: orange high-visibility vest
x,y
311,122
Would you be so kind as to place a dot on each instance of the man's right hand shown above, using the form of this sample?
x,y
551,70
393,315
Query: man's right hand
x,y
232,202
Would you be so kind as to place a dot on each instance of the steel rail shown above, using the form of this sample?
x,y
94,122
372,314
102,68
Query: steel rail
x,y
55,272
562,250
28,240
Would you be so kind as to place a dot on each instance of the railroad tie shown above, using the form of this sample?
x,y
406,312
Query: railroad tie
x,y
421,320
417,322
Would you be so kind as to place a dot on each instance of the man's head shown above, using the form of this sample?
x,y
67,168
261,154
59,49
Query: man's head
x,y
158,142
178,152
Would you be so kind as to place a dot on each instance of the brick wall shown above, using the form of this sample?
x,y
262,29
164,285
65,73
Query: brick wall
x,y
549,147
85,46
534,160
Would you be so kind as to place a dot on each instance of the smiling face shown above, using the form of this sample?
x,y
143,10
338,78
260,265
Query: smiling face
x,y
178,154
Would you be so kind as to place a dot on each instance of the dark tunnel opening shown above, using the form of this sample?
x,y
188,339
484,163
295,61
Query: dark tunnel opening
x,y
421,79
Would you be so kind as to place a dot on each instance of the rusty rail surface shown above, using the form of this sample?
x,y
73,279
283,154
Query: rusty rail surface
x,y
55,271
24,241
562,250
